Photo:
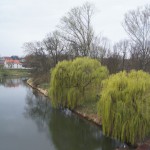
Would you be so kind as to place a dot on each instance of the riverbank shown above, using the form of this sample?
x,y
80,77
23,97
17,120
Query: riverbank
x,y
88,113
44,92
81,111
14,72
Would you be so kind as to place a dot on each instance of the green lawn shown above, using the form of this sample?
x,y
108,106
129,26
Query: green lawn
x,y
89,107
44,86
14,72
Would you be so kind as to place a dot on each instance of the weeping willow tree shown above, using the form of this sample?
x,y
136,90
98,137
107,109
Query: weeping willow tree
x,y
73,82
125,106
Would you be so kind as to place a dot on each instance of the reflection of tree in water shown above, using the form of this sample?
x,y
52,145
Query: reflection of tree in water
x,y
38,108
67,131
72,133
11,82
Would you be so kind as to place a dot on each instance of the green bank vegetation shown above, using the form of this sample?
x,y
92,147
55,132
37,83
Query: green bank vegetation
x,y
44,86
125,106
14,72
77,81
122,100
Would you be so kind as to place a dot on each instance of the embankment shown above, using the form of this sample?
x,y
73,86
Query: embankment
x,y
91,117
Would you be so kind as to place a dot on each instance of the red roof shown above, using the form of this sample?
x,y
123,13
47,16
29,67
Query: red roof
x,y
12,61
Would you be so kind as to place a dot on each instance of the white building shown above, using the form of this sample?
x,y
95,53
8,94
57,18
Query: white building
x,y
13,64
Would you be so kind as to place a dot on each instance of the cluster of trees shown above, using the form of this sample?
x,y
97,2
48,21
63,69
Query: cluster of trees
x,y
75,37
134,53
123,98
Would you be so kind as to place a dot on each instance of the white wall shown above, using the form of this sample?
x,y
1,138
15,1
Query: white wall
x,y
13,66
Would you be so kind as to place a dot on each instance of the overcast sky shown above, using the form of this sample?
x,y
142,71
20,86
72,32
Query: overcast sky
x,y
30,20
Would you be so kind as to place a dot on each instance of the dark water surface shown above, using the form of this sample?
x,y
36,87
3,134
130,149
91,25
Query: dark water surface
x,y
28,122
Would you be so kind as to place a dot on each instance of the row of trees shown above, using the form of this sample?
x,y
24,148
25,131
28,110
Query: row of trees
x,y
75,37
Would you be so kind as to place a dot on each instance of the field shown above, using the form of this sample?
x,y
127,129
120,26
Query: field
x,y
14,72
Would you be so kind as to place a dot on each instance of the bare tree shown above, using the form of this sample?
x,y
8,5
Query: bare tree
x,y
76,28
122,49
38,53
42,56
54,47
137,25
37,59
100,48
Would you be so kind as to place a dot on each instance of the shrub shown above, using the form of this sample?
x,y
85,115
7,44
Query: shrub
x,y
125,106
73,82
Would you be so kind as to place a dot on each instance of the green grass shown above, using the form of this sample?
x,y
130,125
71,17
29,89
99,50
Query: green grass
x,y
89,107
44,86
14,72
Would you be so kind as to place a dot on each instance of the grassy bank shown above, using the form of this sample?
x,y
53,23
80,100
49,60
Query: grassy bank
x,y
87,107
44,86
14,72
86,110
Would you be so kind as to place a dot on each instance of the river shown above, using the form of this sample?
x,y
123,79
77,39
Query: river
x,y
28,122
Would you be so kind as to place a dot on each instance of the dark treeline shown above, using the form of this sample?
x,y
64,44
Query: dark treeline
x,y
75,37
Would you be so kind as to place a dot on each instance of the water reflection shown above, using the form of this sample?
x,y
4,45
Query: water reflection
x,y
38,108
66,130
70,132
11,82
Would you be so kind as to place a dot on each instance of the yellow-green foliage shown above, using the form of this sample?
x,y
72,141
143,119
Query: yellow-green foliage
x,y
125,106
73,82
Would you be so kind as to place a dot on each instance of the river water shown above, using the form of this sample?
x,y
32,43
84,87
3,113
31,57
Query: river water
x,y
28,122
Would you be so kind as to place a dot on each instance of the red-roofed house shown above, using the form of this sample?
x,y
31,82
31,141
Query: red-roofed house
x,y
12,64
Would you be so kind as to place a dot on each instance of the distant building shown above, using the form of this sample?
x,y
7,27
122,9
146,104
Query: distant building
x,y
10,63
13,62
